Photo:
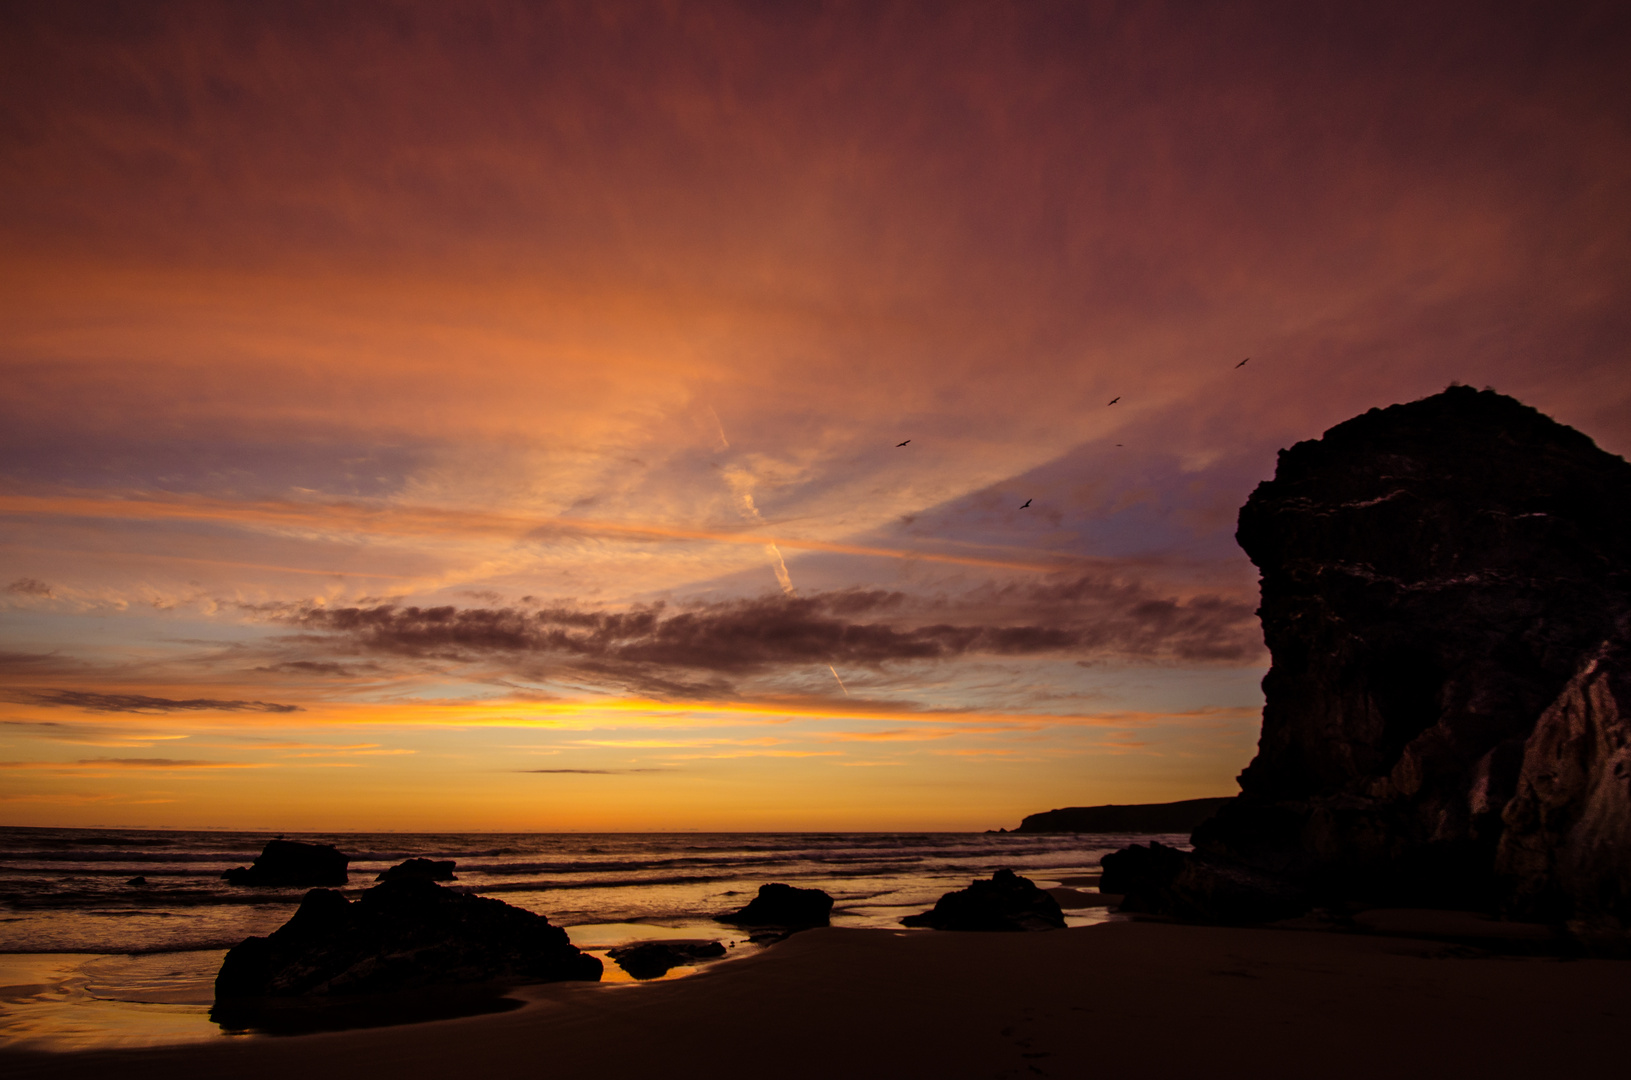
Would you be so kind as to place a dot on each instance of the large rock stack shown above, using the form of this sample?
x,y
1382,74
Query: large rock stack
x,y
1435,577
403,934
283,863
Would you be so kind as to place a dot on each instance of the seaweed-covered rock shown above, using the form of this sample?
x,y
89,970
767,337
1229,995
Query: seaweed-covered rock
x,y
654,959
426,869
1006,902
399,935
785,907
291,862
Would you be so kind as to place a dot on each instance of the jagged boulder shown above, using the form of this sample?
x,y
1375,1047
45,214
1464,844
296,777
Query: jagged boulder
x,y
1433,576
1005,902
784,907
426,869
1565,855
291,862
399,935
654,959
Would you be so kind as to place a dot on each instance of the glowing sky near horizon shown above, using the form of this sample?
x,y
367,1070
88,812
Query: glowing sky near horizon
x,y
486,416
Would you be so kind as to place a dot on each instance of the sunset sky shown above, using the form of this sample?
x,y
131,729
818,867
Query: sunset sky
x,y
485,416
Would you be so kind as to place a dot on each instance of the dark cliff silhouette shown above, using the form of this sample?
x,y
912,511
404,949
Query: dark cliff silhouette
x,y
1434,577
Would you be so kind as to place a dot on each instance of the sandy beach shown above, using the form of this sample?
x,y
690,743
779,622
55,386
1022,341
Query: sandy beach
x,y
1146,998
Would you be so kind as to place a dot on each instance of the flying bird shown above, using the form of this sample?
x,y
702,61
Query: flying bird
x,y
901,444
1115,399
1242,363
1027,503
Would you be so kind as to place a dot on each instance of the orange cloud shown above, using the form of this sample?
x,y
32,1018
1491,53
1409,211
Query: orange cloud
x,y
101,764
485,327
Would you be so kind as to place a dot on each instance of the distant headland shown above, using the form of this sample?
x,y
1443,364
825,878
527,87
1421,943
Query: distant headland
x,y
1170,817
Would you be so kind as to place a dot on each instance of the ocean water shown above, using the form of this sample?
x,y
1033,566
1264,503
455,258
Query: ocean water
x,y
89,959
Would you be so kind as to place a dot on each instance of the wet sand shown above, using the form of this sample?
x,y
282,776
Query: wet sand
x,y
1121,999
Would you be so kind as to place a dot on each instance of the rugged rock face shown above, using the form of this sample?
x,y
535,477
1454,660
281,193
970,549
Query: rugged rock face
x,y
1565,855
290,862
428,869
784,907
1172,817
399,935
1006,902
1433,576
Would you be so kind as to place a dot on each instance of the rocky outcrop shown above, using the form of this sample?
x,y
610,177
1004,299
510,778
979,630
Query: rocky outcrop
x,y
1163,880
654,959
1005,902
1433,576
784,907
290,862
399,935
1171,817
425,869
1565,855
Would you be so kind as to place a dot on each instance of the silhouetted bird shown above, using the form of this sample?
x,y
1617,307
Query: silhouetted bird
x,y
901,444
1242,363
1115,399
1027,503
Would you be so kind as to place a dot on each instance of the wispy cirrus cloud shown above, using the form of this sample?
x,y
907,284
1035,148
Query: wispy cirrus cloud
x,y
89,734
397,520
589,772
132,763
899,735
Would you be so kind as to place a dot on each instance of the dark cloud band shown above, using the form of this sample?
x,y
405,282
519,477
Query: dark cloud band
x,y
141,703
1078,618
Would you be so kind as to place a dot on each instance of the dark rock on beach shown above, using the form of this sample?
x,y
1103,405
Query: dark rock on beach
x,y
1163,880
1436,578
425,869
1006,902
1172,817
784,907
399,935
290,862
654,959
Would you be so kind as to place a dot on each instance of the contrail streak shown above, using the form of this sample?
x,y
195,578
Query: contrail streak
x,y
841,685
403,520
740,482
783,578
724,443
